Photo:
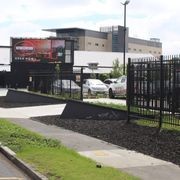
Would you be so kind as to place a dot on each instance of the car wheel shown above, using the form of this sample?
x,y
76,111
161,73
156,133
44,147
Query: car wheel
x,y
111,95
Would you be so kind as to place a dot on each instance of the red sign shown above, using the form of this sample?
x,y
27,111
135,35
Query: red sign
x,y
38,50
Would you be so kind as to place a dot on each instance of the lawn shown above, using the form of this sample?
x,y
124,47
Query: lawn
x,y
51,158
144,122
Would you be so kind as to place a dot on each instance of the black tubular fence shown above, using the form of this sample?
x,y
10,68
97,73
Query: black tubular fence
x,y
67,84
154,89
64,84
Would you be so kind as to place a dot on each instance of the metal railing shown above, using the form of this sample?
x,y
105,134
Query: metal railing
x,y
66,84
154,89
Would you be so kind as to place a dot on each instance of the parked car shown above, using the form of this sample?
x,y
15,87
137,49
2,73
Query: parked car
x,y
66,86
94,87
118,88
107,82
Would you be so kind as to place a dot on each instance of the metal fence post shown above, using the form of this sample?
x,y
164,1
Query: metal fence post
x,y
128,90
61,81
161,93
70,86
173,96
81,96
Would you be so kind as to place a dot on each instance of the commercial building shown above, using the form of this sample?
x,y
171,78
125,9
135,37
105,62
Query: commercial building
x,y
108,39
104,60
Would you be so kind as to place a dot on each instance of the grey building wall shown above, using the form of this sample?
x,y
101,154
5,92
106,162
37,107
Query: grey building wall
x,y
109,39
144,46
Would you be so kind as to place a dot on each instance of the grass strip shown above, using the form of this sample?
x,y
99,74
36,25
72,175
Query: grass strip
x,y
169,127
168,123
51,158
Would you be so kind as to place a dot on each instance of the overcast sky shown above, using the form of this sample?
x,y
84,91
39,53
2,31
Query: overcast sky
x,y
145,18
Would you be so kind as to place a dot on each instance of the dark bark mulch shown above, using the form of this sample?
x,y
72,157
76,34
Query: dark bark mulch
x,y
5,104
165,146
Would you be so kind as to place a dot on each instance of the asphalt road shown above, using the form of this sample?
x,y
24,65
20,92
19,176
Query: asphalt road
x,y
9,171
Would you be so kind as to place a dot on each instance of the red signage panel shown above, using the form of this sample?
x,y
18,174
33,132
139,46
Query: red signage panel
x,y
38,50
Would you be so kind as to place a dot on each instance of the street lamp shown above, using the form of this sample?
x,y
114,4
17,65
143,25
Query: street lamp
x,y
124,49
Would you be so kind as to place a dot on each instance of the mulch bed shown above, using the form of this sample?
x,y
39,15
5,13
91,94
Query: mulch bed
x,y
5,104
165,146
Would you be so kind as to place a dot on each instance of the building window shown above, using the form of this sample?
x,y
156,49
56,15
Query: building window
x,y
96,44
140,50
89,43
68,52
134,49
129,49
102,45
150,51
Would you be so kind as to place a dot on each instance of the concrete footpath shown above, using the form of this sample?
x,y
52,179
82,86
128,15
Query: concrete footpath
x,y
145,167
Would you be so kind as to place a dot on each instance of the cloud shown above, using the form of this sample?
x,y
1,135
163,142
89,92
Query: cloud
x,y
145,19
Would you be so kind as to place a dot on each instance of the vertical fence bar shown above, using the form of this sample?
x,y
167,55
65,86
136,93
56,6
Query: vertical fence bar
x,y
70,86
81,96
128,89
173,90
148,96
161,93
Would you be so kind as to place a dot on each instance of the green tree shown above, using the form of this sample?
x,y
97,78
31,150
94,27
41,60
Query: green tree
x,y
104,76
117,69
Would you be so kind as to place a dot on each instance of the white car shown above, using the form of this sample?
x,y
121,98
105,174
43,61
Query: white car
x,y
65,86
118,88
107,82
94,87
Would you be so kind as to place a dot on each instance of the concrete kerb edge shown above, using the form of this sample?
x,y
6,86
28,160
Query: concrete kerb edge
x,y
27,169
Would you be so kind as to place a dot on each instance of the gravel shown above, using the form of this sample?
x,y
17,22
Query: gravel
x,y
165,145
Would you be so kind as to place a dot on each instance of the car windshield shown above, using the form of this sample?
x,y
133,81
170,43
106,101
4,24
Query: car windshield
x,y
121,79
96,82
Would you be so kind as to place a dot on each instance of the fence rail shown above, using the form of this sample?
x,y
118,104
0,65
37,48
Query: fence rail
x,y
154,89
64,84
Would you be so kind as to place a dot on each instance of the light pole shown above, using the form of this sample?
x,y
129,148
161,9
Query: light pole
x,y
124,47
